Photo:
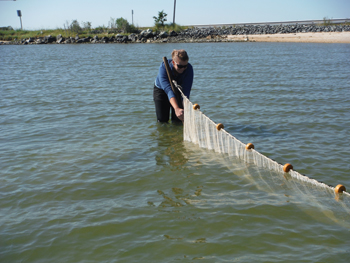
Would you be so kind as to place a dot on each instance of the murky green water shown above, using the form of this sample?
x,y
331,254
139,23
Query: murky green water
x,y
87,175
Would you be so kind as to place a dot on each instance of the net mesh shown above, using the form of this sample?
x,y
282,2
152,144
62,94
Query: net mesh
x,y
267,174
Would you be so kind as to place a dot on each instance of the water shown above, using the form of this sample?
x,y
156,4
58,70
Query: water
x,y
87,175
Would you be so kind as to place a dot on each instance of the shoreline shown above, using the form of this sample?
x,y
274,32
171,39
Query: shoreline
x,y
212,36
318,37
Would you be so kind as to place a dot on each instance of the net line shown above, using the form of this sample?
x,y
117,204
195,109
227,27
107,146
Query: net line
x,y
201,130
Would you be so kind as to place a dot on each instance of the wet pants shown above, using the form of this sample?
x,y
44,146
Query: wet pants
x,y
163,106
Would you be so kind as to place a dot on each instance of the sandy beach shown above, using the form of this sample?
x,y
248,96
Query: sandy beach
x,y
322,37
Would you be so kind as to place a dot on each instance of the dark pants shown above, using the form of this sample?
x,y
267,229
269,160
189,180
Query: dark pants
x,y
163,106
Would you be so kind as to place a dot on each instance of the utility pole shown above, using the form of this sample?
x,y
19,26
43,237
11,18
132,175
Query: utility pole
x,y
19,13
132,17
174,12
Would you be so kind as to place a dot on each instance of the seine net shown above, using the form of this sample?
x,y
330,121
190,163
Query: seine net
x,y
265,173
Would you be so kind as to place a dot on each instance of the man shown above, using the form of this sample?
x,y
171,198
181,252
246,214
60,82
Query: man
x,y
164,97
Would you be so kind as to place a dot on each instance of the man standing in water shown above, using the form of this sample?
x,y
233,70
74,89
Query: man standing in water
x,y
163,96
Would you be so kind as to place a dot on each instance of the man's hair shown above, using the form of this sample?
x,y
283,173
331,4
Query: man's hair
x,y
181,54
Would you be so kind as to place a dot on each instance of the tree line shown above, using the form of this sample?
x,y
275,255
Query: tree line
x,y
119,25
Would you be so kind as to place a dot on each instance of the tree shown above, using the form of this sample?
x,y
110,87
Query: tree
x,y
112,23
75,27
86,26
123,24
66,27
161,18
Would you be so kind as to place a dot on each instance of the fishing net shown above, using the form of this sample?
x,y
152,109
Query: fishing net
x,y
265,173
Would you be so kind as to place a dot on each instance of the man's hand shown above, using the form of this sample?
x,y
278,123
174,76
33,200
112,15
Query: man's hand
x,y
180,114
178,111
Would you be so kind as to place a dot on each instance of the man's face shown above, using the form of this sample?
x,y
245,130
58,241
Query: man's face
x,y
179,65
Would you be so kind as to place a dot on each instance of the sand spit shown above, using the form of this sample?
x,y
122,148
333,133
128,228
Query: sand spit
x,y
318,37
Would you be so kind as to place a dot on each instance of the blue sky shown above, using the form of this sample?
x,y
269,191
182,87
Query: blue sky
x,y
44,14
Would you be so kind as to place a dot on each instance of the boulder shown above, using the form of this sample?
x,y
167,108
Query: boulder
x,y
163,34
49,39
124,39
173,33
133,37
83,40
69,40
28,41
104,40
147,33
59,41
39,41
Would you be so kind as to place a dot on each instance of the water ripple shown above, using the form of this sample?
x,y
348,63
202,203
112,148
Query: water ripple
x,y
88,175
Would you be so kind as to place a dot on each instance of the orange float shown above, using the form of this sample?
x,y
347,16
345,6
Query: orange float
x,y
249,146
219,126
287,167
339,188
196,107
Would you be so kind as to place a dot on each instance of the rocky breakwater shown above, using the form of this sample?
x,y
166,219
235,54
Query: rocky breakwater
x,y
218,34
194,34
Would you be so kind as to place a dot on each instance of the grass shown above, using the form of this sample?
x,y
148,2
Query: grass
x,y
9,35
177,28
167,27
326,21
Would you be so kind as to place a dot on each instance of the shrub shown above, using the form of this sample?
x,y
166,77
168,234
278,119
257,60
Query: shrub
x,y
75,27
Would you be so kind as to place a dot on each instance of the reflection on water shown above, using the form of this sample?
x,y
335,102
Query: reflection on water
x,y
170,150
172,153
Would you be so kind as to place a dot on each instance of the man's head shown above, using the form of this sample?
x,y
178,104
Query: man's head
x,y
180,60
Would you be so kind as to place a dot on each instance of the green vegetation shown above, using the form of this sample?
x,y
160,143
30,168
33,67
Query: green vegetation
x,y
160,19
75,27
326,21
124,26
177,28
84,29
160,25
9,35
